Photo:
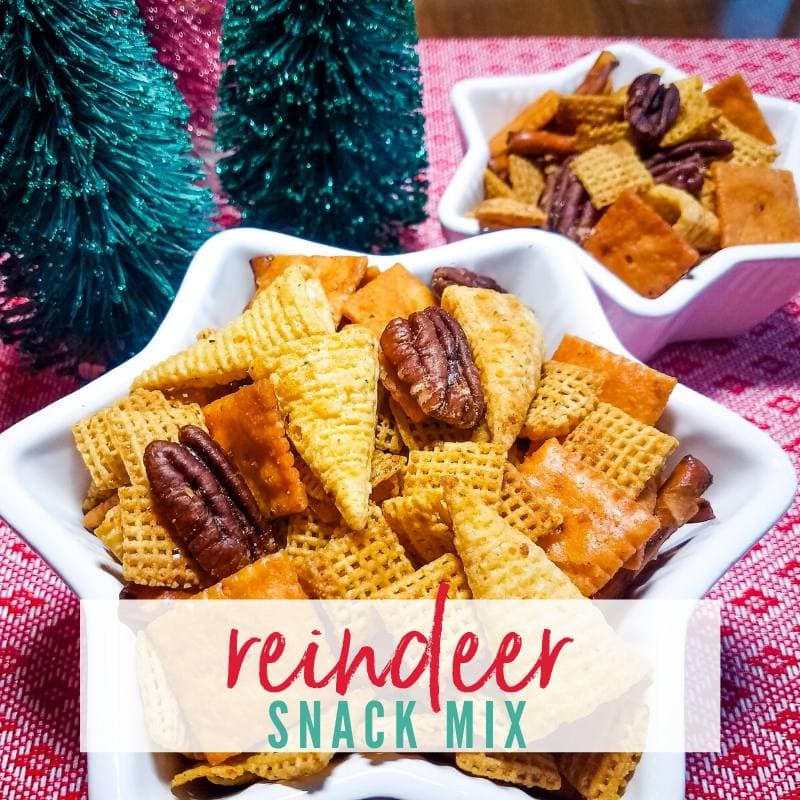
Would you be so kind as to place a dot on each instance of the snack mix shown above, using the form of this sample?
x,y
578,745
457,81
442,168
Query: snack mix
x,y
649,178
358,434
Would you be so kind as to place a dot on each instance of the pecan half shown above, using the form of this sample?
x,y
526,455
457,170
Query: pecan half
x,y
431,354
459,276
651,109
203,500
569,210
596,78
683,165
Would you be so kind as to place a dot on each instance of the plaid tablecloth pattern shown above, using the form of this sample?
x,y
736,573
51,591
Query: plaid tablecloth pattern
x,y
757,375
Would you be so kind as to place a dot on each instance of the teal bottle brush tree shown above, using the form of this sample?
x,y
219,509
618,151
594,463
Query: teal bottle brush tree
x,y
320,122
100,207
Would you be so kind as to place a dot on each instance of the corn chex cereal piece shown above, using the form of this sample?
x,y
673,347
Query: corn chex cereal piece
x,y
248,425
269,766
394,293
109,531
291,307
608,170
531,770
132,431
272,577
748,151
359,564
339,275
566,394
589,109
756,205
625,450
386,476
93,439
426,434
327,387
306,534
708,193
527,180
477,466
687,216
532,117
640,247
501,563
627,384
598,776
508,212
387,436
696,115
424,583
320,503
732,96
495,186
603,527
587,136
150,556
524,509
97,513
421,522
507,344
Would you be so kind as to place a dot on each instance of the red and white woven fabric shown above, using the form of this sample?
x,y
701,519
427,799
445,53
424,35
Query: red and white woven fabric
x,y
757,375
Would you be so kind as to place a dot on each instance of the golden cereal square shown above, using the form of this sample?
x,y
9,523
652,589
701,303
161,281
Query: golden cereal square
x,y
566,394
269,766
507,344
587,136
132,431
359,564
476,466
756,205
696,115
508,212
387,435
527,180
327,388
603,527
608,170
420,520
635,388
598,776
426,434
109,531
293,306
386,478
640,247
495,186
628,452
748,151
526,510
589,109
423,584
531,770
150,555
688,217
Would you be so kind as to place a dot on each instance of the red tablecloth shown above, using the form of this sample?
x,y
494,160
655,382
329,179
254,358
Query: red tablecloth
x,y
757,375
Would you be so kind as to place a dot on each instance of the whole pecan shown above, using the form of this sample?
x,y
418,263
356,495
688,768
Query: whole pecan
x,y
459,276
431,354
651,109
569,209
683,165
203,500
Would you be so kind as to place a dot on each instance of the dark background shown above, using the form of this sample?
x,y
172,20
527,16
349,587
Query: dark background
x,y
676,18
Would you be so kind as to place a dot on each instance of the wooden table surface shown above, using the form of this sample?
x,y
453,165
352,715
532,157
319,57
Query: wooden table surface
x,y
674,18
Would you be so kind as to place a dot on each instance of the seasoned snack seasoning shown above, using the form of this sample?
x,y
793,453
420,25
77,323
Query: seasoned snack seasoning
x,y
633,174
363,435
